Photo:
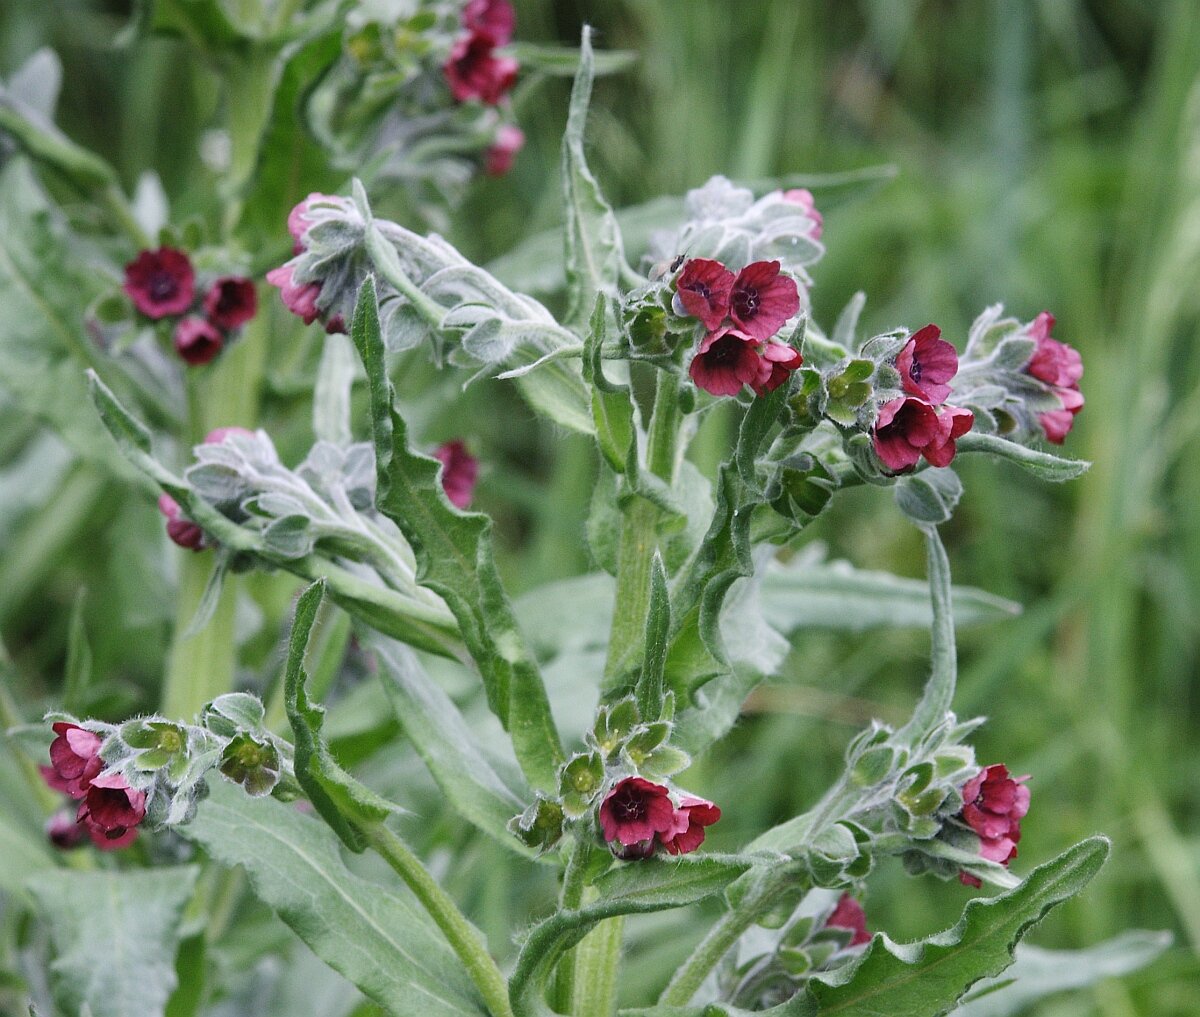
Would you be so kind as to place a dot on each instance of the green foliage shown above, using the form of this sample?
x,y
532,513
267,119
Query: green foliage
x,y
120,962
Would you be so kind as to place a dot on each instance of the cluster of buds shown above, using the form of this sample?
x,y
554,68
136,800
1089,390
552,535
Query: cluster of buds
x,y
994,804
162,286
300,282
921,423
153,769
740,314
180,529
619,789
1059,366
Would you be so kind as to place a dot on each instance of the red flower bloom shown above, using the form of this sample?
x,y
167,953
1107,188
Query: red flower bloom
x,y
180,529
908,428
635,812
692,816
105,842
74,759
460,470
160,283
492,19
727,360
498,159
197,341
231,301
782,360
473,71
762,300
926,363
993,805
299,298
63,831
1061,366
702,291
111,808
849,914
803,196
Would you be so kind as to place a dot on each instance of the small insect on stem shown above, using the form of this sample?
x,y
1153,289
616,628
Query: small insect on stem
x,y
664,269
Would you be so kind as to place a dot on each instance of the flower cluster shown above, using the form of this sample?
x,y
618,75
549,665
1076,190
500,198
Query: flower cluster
x,y
473,70
1059,366
921,422
638,816
740,314
993,806
162,284
302,296
109,809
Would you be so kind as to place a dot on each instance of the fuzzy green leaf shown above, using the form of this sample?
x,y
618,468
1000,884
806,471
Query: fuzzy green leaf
x,y
1043,465
650,688
454,559
612,404
931,976
115,935
370,933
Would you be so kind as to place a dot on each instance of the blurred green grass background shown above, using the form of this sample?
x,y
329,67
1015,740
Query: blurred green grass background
x,y
1047,155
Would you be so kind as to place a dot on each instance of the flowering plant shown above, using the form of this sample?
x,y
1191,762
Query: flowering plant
x,y
402,604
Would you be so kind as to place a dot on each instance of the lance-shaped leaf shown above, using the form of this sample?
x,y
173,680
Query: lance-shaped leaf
x,y
635,888
370,933
343,802
444,741
454,559
929,977
650,688
115,935
593,239
1043,465
612,404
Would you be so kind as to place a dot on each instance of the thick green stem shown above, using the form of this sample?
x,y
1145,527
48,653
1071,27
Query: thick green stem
x,y
596,960
462,936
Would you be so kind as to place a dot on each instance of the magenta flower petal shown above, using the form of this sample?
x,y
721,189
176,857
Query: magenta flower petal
x,y
849,914
702,291
993,805
926,363
903,429
636,810
953,423
230,302
725,361
460,470
111,806
762,299
74,759
300,299
473,71
160,283
180,529
493,19
197,341
778,362
498,159
687,833
802,196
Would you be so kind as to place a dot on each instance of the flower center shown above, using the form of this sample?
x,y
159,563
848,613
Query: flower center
x,y
746,301
162,286
629,808
701,289
914,372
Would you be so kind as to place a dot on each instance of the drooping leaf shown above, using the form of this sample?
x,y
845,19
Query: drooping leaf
x,y
929,977
115,935
612,404
454,559
370,933
1043,465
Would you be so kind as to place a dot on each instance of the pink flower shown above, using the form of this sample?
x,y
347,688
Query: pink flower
x,y
473,71
782,360
849,914
803,196
635,812
460,470
762,299
908,428
993,805
692,816
492,19
926,363
105,842
498,159
725,361
197,341
63,831
160,283
298,221
180,529
299,298
111,808
1060,366
702,291
74,759
230,301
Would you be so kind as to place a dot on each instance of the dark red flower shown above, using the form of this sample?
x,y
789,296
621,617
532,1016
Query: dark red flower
x,y
727,360
782,360
74,759
63,831
460,470
498,159
180,529
111,807
197,341
762,299
160,283
926,363
702,291
687,833
230,301
1061,366
493,19
908,428
993,805
299,298
803,196
473,71
849,914
635,812
105,842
